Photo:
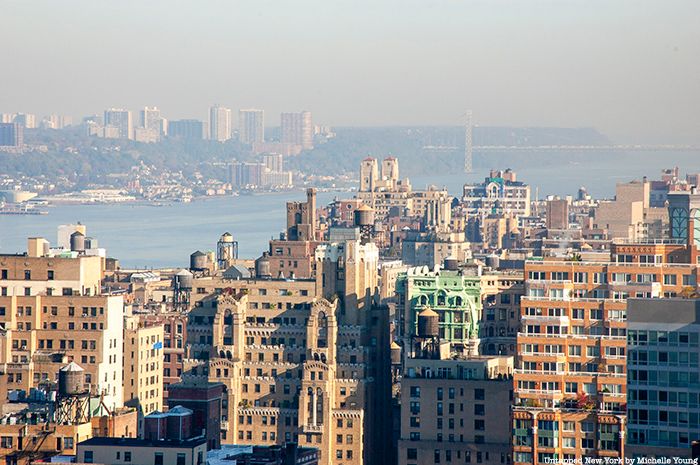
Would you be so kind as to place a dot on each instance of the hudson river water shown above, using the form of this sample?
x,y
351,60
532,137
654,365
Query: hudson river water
x,y
140,235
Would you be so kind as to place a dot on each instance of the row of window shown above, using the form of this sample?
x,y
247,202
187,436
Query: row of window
x,y
480,457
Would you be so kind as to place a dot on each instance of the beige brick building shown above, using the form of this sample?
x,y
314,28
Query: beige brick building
x,y
143,365
296,356
43,333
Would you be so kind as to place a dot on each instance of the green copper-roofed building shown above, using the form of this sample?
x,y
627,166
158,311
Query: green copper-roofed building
x,y
454,294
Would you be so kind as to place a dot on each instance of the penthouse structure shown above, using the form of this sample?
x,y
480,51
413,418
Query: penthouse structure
x,y
42,272
570,376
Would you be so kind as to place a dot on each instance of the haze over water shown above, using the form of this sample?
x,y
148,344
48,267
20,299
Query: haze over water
x,y
140,235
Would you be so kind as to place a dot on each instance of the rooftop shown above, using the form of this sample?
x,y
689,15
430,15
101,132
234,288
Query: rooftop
x,y
135,442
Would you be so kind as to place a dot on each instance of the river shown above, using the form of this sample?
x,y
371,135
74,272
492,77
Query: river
x,y
140,235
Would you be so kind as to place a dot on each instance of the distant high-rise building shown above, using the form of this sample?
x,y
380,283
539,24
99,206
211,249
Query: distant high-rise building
x,y
247,174
190,129
274,162
7,117
27,120
151,119
121,120
151,125
219,123
298,129
11,134
251,126
54,121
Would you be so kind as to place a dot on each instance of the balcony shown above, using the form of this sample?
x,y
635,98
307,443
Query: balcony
x,y
562,320
541,393
521,371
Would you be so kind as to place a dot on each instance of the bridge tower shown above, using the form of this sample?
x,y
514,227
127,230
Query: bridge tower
x,y
468,144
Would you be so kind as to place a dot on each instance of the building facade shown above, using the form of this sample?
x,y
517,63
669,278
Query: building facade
x,y
663,385
500,192
251,126
452,411
570,376
120,120
143,365
219,123
297,129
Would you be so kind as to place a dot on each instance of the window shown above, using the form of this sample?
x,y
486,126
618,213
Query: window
x,y
412,454
587,443
158,459
127,456
479,394
596,314
180,459
87,456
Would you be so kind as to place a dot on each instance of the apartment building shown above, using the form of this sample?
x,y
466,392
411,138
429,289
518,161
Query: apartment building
x,y
307,369
31,434
42,333
453,293
663,385
143,365
39,273
453,411
479,310
501,292
431,248
570,376
500,192
293,254
303,377
386,193
174,344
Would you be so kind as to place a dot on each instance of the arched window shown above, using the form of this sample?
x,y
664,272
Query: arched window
x,y
441,299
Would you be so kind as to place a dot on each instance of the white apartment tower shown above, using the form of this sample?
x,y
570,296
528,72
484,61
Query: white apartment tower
x,y
219,123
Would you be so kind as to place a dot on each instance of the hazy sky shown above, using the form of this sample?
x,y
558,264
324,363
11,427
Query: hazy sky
x,y
630,68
